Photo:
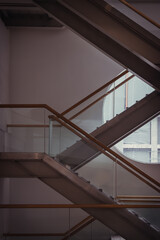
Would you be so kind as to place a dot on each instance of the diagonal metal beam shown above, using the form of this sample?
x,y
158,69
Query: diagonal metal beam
x,y
33,234
105,28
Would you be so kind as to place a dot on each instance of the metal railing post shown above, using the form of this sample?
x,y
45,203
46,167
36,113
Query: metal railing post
x,y
50,136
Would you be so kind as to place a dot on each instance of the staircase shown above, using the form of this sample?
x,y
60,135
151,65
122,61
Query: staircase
x,y
113,131
77,190
97,21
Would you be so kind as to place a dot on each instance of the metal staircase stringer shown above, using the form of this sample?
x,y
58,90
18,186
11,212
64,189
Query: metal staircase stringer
x,y
131,46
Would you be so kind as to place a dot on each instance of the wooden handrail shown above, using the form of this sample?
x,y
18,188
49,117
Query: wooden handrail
x,y
31,125
140,13
33,234
50,206
94,93
138,201
91,140
27,125
100,98
137,197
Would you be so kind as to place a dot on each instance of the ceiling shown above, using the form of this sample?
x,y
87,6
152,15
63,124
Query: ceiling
x,y
24,13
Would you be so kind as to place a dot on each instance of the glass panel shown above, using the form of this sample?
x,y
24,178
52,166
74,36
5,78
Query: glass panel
x,y
129,185
91,112
25,130
124,97
109,102
101,173
62,143
132,190
138,154
137,89
91,118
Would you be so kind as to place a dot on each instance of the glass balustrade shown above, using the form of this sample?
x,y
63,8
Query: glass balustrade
x,y
107,172
85,156
124,97
25,129
111,101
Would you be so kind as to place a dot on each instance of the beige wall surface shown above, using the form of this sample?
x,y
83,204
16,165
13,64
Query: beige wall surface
x,y
55,67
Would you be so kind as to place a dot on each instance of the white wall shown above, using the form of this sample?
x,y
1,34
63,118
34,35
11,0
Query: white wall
x,y
4,98
55,67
